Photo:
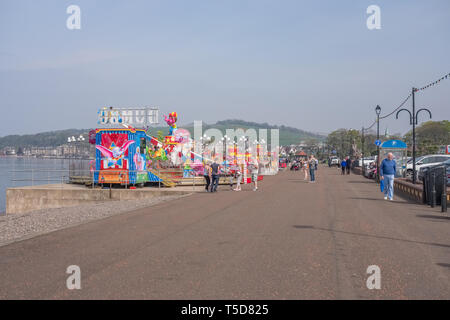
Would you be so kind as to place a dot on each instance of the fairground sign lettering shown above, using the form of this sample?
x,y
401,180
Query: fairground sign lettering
x,y
110,116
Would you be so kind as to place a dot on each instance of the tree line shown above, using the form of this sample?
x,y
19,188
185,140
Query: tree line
x,y
430,137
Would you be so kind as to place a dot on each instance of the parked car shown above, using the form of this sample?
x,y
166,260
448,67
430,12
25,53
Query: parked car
x,y
335,161
367,160
425,161
423,170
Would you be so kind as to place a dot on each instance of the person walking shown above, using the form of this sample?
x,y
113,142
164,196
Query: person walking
x,y
305,169
215,167
254,171
343,164
312,168
387,173
207,175
348,165
231,177
238,176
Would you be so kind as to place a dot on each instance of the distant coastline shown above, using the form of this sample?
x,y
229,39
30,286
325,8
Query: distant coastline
x,y
46,157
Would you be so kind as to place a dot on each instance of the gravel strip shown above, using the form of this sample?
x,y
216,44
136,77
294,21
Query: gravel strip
x,y
14,227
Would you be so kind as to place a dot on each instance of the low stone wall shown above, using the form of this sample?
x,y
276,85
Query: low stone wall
x,y
405,188
26,199
411,191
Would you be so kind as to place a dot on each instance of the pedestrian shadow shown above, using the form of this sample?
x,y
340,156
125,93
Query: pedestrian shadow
x,y
366,198
403,201
445,265
303,227
371,236
298,180
432,217
364,182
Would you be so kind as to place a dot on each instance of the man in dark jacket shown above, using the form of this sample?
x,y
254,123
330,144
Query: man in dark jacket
x,y
348,165
215,167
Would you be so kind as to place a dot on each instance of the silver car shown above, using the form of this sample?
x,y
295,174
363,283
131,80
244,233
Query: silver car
x,y
422,171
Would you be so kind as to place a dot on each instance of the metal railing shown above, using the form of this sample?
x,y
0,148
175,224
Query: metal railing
x,y
39,176
435,187
174,176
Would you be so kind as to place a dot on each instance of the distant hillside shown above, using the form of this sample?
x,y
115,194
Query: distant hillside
x,y
43,139
288,135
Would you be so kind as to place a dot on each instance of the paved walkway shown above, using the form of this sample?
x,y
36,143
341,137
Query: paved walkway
x,y
288,240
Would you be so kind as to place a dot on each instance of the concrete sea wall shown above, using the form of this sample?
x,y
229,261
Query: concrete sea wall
x,y
26,199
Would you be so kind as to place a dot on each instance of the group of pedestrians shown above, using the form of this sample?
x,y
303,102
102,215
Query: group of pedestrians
x,y
212,172
211,175
346,165
309,166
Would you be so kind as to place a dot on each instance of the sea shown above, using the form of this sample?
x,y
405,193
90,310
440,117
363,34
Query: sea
x,y
27,171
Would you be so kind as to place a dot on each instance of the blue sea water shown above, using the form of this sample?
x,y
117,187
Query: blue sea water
x,y
16,172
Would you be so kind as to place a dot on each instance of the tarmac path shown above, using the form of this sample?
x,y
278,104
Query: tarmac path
x,y
288,240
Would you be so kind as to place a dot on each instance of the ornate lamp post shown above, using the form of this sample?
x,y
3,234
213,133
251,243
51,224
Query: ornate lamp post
x,y
413,121
362,152
225,140
378,111
80,140
205,140
72,150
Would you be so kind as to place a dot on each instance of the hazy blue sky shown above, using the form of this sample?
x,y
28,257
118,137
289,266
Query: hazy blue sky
x,y
313,65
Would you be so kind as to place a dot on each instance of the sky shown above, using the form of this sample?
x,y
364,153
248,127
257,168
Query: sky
x,y
313,65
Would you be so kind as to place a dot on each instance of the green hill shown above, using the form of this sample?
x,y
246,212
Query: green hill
x,y
43,139
288,135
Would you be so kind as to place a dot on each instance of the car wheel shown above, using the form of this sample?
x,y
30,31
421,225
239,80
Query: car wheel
x,y
409,174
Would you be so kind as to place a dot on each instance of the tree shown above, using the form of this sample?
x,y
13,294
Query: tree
x,y
312,145
345,142
430,136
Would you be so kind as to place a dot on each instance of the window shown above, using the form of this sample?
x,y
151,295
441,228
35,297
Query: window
x,y
427,160
441,159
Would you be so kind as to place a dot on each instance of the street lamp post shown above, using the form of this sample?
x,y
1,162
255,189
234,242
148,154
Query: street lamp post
x,y
362,152
413,121
225,140
204,140
80,139
75,151
378,111
247,148
235,152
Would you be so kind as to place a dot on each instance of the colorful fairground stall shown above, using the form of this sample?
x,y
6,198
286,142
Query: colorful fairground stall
x,y
127,155
131,156
122,156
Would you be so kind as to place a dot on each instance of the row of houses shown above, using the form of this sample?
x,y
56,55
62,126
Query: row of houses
x,y
62,151
300,150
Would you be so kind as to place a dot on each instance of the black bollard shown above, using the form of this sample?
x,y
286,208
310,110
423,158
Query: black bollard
x,y
444,190
433,189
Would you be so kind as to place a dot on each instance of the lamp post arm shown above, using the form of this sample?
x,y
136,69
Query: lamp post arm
x,y
423,109
410,115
